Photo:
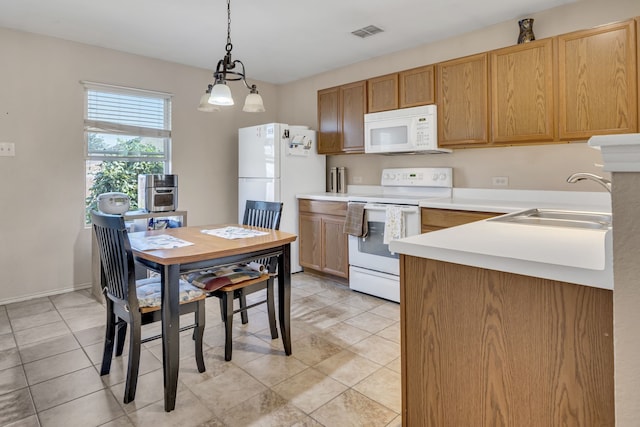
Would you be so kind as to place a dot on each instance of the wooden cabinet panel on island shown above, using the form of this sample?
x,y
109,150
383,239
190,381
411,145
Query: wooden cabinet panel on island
x,y
463,101
341,118
522,93
382,93
488,348
323,244
598,81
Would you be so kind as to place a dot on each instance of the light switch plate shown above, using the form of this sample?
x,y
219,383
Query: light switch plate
x,y
7,149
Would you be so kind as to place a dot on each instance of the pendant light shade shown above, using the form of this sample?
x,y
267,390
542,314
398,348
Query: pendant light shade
x,y
204,102
232,70
221,94
253,102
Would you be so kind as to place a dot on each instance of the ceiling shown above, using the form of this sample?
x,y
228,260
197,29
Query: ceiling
x,y
279,41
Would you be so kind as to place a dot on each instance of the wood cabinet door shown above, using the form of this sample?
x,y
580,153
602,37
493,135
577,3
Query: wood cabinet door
x,y
489,348
382,93
310,230
416,87
353,102
433,219
463,101
334,242
597,81
329,130
522,93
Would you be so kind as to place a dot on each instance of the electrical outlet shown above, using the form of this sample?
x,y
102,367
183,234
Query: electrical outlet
x,y
7,149
500,181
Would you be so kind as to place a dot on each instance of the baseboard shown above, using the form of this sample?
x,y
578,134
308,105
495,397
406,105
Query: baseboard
x,y
44,294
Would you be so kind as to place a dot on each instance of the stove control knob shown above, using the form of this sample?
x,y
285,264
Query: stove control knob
x,y
435,176
443,176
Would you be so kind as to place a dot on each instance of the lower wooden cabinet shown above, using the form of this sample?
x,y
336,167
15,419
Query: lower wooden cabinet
x,y
488,348
323,244
437,219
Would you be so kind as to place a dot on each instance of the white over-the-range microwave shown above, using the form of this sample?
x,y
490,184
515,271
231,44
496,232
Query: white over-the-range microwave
x,y
407,130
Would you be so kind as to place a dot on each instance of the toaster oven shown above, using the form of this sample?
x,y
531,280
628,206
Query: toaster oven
x,y
158,192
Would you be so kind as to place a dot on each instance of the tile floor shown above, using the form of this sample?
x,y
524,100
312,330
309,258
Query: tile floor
x,y
344,370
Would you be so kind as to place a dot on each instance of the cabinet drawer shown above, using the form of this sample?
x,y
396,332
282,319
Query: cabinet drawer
x,y
323,207
432,219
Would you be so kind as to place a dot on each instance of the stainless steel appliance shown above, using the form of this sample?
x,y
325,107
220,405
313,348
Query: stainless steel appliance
x,y
337,180
407,130
373,269
158,192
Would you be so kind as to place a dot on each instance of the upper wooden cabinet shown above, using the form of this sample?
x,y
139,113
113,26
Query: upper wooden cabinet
x,y
598,81
522,93
382,93
463,101
416,87
566,88
329,133
353,101
341,118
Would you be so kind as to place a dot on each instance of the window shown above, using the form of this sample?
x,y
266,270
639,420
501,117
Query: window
x,y
127,132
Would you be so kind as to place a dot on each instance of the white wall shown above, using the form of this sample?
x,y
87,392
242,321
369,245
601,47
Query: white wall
x,y
530,167
44,245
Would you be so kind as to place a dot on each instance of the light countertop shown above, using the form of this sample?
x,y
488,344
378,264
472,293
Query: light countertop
x,y
565,254
581,256
490,200
571,255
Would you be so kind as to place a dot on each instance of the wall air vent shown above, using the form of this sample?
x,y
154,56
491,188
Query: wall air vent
x,y
367,31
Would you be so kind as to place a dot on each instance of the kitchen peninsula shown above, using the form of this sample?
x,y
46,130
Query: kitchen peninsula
x,y
507,324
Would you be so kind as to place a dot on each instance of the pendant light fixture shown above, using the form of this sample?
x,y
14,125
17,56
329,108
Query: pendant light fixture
x,y
227,70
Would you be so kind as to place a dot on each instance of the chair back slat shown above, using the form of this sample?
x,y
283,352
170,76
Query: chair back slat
x,y
116,256
266,215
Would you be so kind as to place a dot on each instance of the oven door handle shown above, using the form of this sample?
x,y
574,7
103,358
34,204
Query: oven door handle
x,y
383,207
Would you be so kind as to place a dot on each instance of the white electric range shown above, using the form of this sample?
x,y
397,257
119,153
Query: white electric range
x,y
373,269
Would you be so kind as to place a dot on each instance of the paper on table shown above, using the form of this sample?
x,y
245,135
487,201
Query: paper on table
x,y
149,243
234,232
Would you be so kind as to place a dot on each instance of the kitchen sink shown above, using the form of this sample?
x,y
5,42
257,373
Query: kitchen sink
x,y
558,218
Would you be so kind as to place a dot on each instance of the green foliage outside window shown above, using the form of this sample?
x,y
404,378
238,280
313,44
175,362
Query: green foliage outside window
x,y
116,175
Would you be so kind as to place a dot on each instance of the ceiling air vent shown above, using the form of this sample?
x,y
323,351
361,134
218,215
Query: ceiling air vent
x,y
367,31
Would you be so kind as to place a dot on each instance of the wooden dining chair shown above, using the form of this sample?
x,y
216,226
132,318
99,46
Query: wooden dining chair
x,y
135,303
245,280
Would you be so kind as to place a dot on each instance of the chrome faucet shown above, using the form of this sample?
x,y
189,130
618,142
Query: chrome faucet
x,y
584,175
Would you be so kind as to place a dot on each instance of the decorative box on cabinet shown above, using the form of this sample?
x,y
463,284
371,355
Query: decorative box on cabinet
x,y
135,221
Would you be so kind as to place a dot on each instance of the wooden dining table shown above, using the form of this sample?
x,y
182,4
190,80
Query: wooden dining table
x,y
208,251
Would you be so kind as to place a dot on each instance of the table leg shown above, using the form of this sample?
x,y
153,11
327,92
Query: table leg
x,y
170,333
284,296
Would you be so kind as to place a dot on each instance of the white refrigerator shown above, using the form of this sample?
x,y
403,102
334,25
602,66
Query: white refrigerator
x,y
276,162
